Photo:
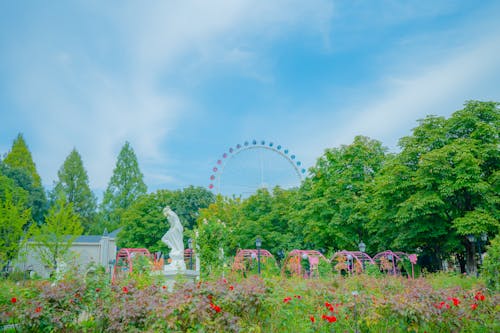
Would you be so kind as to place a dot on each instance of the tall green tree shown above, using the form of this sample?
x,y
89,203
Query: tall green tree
x,y
53,239
125,186
15,216
442,187
19,166
20,157
330,216
73,184
188,202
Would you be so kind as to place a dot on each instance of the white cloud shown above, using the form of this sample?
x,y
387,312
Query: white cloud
x,y
389,110
73,98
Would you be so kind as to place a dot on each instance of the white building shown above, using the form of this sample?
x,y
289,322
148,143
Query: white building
x,y
85,249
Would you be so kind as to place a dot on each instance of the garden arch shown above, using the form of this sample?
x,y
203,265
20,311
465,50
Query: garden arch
x,y
351,261
388,261
293,263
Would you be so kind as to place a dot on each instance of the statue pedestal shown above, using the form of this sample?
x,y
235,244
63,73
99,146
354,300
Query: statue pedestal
x,y
172,276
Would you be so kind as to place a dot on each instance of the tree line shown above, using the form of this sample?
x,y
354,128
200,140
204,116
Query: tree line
x,y
442,186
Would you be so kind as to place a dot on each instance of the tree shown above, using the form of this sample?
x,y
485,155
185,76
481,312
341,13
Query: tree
x,y
188,201
73,184
125,186
14,217
53,239
20,157
144,223
330,216
19,166
442,186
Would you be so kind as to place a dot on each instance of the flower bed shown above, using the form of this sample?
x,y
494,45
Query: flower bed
x,y
386,304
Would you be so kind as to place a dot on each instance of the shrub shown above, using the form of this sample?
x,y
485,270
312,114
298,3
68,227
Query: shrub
x,y
491,265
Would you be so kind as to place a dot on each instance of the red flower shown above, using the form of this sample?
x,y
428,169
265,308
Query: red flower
x,y
224,280
97,290
330,319
473,306
231,287
456,301
38,309
327,304
163,287
13,300
479,296
312,319
125,290
298,296
287,299
215,307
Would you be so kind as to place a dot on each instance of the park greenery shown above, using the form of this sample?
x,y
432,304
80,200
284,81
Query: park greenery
x,y
429,198
441,186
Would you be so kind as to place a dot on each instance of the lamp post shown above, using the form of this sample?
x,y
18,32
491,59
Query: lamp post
x,y
258,244
362,248
281,256
190,246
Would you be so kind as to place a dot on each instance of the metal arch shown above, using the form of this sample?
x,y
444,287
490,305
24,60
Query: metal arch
x,y
235,151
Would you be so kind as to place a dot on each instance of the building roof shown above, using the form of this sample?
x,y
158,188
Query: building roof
x,y
94,238
87,239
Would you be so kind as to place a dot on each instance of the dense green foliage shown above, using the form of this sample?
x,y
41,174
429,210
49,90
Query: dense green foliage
x,y
19,157
14,218
441,187
53,239
18,165
125,186
73,184
144,223
491,266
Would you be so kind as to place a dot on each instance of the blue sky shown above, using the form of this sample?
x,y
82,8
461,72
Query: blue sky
x,y
184,81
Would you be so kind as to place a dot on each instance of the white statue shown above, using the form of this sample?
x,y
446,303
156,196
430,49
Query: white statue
x,y
174,239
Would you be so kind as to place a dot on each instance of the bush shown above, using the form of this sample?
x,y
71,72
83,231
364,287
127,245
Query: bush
x,y
438,303
491,266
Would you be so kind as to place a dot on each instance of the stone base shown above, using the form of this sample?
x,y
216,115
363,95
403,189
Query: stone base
x,y
171,276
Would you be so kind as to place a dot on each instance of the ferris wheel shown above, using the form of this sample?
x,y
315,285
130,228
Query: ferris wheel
x,y
247,167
